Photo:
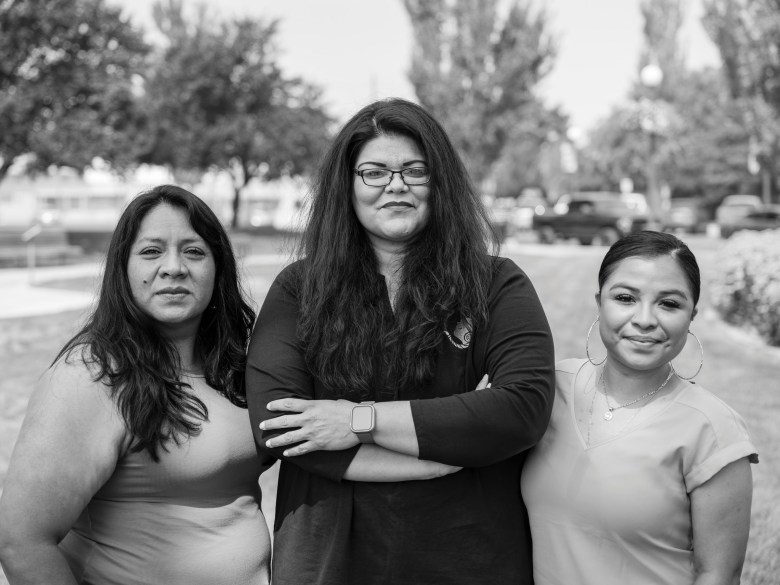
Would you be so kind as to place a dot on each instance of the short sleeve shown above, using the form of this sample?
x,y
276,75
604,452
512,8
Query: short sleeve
x,y
721,438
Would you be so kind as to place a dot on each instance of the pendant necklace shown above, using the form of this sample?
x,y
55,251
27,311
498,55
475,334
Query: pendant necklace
x,y
610,409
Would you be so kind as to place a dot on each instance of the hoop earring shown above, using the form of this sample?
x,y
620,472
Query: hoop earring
x,y
587,343
701,359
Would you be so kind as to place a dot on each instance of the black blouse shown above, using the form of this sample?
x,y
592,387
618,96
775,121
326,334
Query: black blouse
x,y
468,527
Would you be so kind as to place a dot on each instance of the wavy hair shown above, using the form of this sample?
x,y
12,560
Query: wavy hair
x,y
446,274
122,345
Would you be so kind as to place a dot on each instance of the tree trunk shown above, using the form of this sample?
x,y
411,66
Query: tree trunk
x,y
236,204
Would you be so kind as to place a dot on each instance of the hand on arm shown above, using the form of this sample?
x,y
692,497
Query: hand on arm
x,y
67,448
325,425
720,511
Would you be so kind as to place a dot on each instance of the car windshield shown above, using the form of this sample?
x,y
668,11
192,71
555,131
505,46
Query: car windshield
x,y
614,206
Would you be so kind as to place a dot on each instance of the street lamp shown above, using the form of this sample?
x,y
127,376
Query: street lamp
x,y
651,77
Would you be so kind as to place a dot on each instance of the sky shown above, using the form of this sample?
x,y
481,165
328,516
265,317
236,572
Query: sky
x,y
360,50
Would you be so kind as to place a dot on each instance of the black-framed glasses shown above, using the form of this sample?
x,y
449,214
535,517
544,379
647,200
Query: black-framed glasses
x,y
383,177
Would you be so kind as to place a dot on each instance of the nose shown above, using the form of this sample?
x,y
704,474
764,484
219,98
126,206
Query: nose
x,y
396,182
173,266
644,316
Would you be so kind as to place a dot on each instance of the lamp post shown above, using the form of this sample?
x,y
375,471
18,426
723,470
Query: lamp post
x,y
651,76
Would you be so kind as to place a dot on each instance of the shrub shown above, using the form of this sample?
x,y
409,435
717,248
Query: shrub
x,y
746,288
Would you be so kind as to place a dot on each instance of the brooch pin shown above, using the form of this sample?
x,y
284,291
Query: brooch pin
x,y
461,336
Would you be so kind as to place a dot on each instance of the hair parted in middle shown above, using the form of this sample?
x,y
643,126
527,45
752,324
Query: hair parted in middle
x,y
446,270
138,364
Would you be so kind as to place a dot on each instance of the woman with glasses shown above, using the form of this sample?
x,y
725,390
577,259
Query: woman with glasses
x,y
363,366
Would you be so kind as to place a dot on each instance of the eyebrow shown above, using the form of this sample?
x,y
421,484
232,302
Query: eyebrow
x,y
671,291
404,164
154,240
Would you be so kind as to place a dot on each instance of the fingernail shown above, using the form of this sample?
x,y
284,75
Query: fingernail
x,y
269,444
286,453
262,426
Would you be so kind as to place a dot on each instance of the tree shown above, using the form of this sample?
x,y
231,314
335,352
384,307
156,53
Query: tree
x,y
234,110
686,127
703,153
475,67
66,83
747,34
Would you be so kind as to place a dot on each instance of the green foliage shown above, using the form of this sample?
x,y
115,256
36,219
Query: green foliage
x,y
66,83
234,110
702,149
475,66
747,34
746,287
687,127
711,151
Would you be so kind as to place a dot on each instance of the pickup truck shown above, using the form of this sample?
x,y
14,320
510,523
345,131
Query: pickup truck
x,y
592,217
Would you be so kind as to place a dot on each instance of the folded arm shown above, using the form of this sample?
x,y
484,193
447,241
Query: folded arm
x,y
277,375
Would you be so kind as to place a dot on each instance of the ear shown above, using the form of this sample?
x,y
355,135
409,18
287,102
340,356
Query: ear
x,y
694,313
597,296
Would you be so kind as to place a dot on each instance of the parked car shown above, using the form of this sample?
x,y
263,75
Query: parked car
x,y
500,211
766,217
592,217
734,207
685,215
528,204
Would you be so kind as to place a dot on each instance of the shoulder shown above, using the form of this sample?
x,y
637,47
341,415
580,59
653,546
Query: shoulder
x,y
504,267
505,272
69,393
74,377
713,435
289,278
703,405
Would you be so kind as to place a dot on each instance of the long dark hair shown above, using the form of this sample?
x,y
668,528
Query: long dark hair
x,y
651,244
123,348
446,272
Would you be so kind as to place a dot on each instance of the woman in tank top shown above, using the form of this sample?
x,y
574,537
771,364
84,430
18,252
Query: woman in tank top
x,y
136,463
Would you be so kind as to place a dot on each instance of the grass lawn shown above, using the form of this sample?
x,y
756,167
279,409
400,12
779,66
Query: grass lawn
x,y
738,368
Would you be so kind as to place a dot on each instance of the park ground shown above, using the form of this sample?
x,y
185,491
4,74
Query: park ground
x,y
738,367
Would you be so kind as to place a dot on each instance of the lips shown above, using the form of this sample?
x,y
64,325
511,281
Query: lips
x,y
396,204
177,290
643,340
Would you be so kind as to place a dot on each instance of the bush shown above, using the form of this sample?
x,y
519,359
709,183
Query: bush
x,y
746,288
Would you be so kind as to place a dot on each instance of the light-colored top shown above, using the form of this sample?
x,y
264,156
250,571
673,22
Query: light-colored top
x,y
192,518
618,511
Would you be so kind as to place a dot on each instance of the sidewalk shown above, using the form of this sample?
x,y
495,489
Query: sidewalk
x,y
21,293
22,297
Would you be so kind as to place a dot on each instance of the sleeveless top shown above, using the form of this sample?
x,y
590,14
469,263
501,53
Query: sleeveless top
x,y
191,518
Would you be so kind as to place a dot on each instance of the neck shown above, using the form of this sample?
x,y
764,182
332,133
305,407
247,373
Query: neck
x,y
626,384
183,339
389,257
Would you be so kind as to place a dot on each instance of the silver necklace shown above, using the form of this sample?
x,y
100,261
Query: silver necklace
x,y
610,409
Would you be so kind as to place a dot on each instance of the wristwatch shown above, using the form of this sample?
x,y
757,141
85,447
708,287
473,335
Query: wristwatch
x,y
363,421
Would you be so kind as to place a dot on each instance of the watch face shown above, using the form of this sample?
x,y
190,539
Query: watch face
x,y
362,419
